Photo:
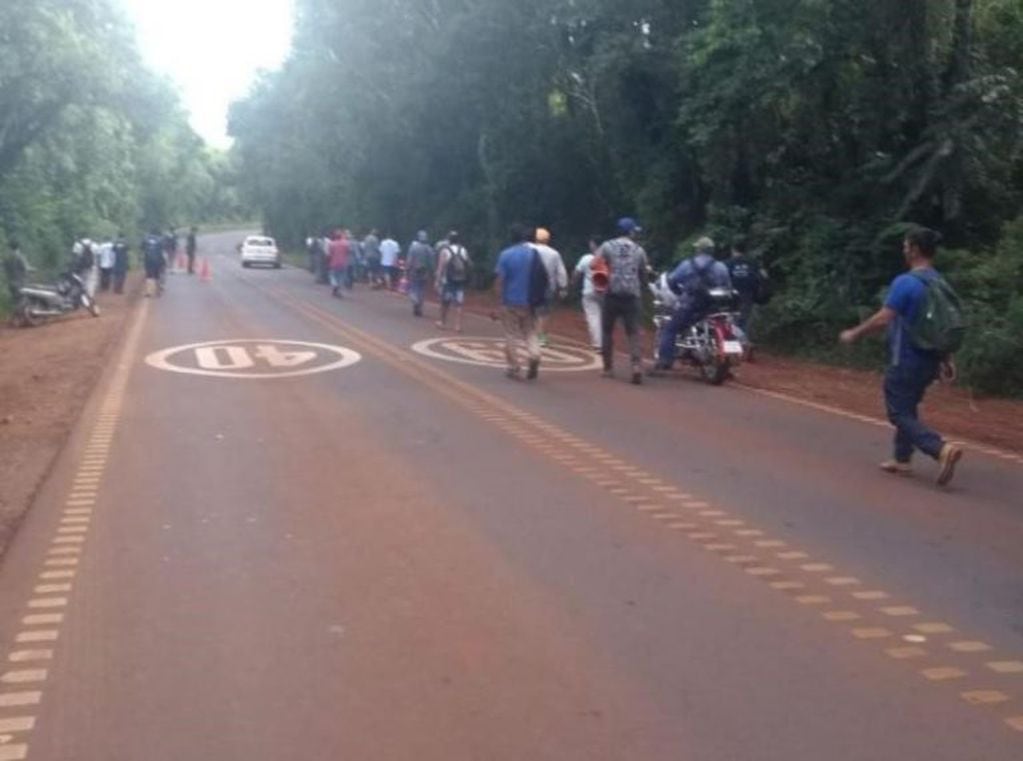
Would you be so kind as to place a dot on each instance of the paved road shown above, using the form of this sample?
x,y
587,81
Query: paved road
x,y
415,558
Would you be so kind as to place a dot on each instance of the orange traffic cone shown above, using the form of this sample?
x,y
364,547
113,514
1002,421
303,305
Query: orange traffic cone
x,y
205,273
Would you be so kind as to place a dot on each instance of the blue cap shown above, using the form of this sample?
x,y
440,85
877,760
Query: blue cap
x,y
628,225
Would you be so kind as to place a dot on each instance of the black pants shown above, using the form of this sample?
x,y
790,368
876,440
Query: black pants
x,y
627,308
106,277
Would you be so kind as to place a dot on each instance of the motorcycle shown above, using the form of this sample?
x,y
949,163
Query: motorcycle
x,y
715,345
38,303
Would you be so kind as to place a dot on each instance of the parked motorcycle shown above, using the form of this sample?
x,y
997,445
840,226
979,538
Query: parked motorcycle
x,y
38,303
715,345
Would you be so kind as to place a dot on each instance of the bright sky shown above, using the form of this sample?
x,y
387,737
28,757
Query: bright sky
x,y
212,49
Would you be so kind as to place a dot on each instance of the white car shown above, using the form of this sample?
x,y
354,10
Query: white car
x,y
258,249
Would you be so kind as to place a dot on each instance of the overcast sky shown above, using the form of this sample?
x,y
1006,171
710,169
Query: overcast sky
x,y
212,49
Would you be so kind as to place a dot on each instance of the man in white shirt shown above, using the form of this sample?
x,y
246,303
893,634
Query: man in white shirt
x,y
106,265
557,279
591,299
390,250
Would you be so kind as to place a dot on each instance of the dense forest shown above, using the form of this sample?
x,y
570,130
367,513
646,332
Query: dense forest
x,y
816,129
91,142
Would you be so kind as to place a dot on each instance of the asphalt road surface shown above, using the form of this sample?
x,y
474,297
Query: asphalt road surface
x,y
304,539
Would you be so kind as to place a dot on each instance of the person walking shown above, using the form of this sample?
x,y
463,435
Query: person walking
x,y
516,272
120,263
105,259
913,368
191,247
557,279
339,254
628,264
371,250
154,262
691,281
592,300
419,269
390,250
745,275
453,267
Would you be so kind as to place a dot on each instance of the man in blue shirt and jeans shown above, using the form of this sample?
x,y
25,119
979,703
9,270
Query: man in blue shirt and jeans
x,y
911,369
514,267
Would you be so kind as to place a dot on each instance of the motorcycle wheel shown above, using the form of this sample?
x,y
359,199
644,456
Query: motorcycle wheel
x,y
716,371
89,303
28,318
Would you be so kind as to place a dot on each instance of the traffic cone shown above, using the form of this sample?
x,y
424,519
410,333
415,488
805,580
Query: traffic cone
x,y
205,273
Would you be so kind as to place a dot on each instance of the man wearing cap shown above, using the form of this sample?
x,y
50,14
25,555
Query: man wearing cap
x,y
691,280
627,262
557,279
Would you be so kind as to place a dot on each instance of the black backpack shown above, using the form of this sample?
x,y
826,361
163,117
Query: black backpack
x,y
539,281
457,271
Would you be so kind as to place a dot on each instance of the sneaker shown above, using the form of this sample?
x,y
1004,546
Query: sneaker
x,y
896,468
950,456
534,369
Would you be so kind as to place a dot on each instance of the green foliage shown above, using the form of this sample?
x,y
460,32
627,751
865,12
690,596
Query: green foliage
x,y
91,142
813,129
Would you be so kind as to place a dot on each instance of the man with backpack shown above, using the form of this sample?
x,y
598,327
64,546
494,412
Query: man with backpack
x,y
692,281
625,261
419,268
522,285
453,265
924,320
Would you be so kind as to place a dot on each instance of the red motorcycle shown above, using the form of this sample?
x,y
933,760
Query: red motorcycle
x,y
715,345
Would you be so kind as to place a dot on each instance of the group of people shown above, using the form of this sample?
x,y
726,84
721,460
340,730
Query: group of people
x,y
159,251
341,260
531,277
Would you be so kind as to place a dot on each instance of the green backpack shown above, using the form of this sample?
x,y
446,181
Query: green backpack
x,y
939,326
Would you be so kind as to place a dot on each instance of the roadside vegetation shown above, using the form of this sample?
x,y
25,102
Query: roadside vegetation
x,y
813,128
91,142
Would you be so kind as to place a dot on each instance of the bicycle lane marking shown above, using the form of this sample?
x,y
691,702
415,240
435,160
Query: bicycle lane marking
x,y
868,614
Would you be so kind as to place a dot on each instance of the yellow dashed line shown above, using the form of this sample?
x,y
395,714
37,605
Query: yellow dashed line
x,y
906,653
872,633
902,611
984,697
1006,667
934,628
943,673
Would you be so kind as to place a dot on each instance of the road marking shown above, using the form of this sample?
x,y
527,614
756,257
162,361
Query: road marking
x,y
934,628
875,632
13,752
450,387
17,724
984,697
943,673
253,359
906,653
25,656
1006,667
37,635
26,676
841,616
19,699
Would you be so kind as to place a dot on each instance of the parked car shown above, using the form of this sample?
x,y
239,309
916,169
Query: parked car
x,y
259,249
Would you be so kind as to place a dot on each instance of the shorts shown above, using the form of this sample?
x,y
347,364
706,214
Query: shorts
x,y
453,294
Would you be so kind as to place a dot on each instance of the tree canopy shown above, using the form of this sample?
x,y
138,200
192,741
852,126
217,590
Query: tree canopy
x,y
91,141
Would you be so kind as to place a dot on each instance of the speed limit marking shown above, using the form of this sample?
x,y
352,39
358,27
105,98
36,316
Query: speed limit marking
x,y
489,352
253,358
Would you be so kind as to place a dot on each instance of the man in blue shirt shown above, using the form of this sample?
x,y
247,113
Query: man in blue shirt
x,y
691,280
514,268
911,369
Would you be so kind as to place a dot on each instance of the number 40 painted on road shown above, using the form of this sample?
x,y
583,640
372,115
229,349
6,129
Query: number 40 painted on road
x,y
242,358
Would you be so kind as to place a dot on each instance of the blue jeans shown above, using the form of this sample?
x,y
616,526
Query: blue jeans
x,y
338,276
689,313
904,387
417,292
